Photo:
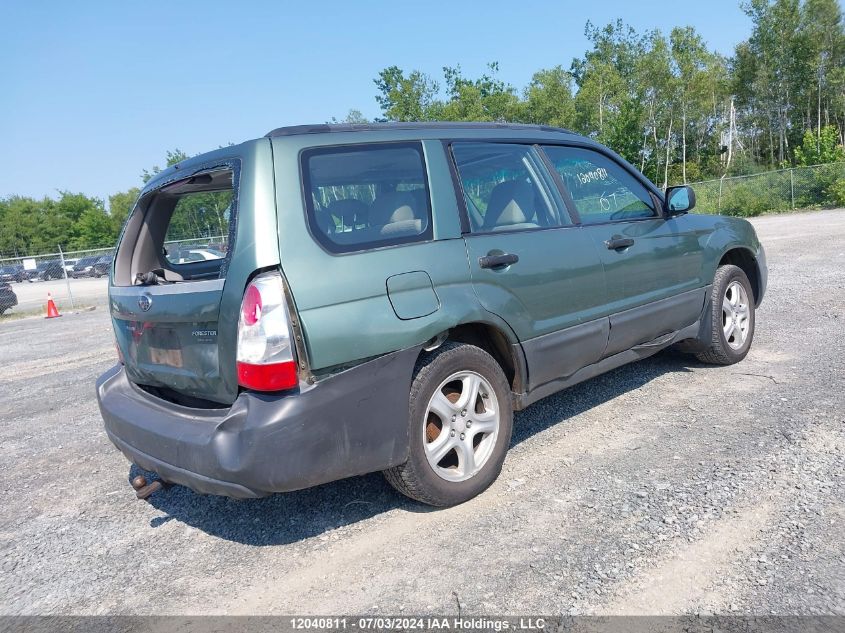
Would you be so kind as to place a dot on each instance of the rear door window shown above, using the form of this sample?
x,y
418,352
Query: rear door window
x,y
503,187
367,196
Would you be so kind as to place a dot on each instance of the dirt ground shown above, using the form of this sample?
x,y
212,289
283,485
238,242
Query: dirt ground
x,y
663,487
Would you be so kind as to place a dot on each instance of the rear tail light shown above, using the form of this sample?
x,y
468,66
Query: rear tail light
x,y
265,353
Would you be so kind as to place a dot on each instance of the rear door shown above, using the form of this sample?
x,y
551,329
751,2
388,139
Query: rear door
x,y
530,264
176,324
652,263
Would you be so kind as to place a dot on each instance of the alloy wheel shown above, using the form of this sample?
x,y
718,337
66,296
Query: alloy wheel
x,y
736,315
461,425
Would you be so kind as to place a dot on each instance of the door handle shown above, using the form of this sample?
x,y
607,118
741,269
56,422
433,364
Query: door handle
x,y
617,243
497,261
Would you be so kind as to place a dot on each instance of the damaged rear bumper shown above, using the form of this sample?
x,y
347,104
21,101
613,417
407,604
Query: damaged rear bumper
x,y
350,423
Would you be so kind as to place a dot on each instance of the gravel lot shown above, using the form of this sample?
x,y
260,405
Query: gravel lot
x,y
663,487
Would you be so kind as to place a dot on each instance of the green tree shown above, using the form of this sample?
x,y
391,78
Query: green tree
x,y
607,81
19,222
353,117
486,98
404,98
821,24
93,229
817,150
549,99
63,222
699,78
120,204
773,71
659,88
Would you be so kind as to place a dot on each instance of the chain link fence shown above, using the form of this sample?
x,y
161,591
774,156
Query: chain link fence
x,y
73,279
816,187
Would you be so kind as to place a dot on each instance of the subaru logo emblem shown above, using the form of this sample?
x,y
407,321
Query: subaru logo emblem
x,y
145,302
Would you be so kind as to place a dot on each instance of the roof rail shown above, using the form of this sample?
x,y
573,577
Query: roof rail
x,y
324,128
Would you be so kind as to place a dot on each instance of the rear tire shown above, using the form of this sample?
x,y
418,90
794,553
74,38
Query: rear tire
x,y
732,317
460,426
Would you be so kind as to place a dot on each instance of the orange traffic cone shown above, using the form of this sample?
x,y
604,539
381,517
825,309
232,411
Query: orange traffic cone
x,y
52,311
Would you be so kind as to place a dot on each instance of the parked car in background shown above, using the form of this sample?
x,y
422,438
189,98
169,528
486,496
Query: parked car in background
x,y
84,267
13,273
401,289
8,298
69,264
102,266
187,256
49,269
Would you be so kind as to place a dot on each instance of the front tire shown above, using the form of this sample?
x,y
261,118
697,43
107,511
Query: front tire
x,y
460,426
732,317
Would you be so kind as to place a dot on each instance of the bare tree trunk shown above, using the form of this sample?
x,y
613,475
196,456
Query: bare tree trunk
x,y
656,148
684,142
645,145
808,118
601,105
730,138
771,145
819,114
668,150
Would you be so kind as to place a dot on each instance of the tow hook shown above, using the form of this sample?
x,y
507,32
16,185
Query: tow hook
x,y
143,489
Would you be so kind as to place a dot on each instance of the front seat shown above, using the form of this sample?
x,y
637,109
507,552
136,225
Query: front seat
x,y
395,206
395,214
511,206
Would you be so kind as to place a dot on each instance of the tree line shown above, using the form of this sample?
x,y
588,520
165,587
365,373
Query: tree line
x,y
667,103
73,221
675,109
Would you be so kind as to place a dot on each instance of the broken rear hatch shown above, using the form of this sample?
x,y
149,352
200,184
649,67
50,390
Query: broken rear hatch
x,y
168,294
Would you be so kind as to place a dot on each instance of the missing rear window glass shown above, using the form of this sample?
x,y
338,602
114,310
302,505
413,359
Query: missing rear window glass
x,y
199,224
181,231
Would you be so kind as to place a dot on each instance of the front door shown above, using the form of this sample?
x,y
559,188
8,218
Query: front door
x,y
652,263
530,264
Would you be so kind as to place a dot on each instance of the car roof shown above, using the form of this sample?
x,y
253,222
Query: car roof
x,y
452,126
324,133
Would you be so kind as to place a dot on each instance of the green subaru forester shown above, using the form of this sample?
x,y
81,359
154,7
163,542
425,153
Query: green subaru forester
x,y
334,300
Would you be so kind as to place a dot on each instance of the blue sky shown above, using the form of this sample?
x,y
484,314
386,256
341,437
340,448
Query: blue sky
x,y
94,92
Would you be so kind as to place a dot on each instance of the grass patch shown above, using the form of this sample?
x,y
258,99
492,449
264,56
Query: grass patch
x,y
30,313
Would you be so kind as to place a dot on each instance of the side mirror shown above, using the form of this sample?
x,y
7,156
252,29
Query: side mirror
x,y
679,200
